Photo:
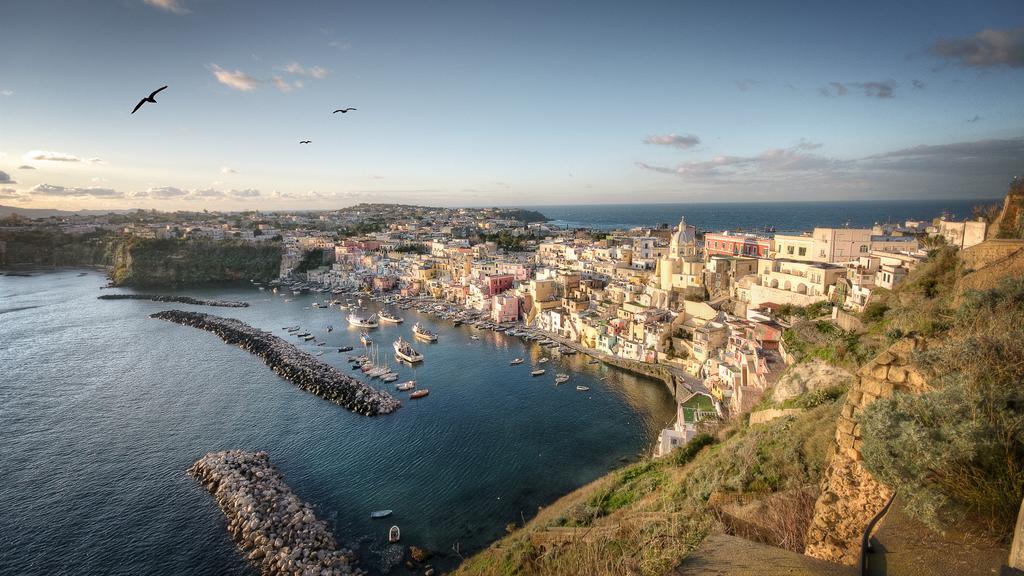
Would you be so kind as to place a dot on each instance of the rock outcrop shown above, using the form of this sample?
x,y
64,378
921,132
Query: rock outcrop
x,y
178,299
850,495
274,530
814,375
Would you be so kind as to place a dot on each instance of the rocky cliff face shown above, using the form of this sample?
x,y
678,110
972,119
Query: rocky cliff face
x,y
850,496
147,262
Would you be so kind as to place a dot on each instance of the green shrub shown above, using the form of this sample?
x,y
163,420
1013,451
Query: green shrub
x,y
958,452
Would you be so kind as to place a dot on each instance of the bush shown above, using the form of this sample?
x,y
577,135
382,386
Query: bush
x,y
958,452
875,311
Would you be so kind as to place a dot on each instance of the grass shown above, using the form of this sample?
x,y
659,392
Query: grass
x,y
645,518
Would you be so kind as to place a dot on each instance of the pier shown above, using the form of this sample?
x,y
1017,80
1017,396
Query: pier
x,y
273,528
176,299
290,363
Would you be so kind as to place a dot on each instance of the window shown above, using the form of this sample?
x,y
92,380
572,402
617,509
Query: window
x,y
789,250
863,249
803,251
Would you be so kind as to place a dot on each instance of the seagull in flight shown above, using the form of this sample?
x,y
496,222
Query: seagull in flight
x,y
342,110
150,98
304,141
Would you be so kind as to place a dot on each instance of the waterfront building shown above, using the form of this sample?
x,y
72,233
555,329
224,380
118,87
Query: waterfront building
x,y
737,244
690,413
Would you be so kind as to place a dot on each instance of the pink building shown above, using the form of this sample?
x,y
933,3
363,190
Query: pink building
x,y
498,283
505,308
384,283
736,244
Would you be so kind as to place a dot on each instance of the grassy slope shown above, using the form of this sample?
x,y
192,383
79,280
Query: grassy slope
x,y
645,518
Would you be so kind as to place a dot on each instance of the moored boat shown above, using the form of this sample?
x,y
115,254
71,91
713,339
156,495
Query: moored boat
x,y
365,339
422,333
543,360
394,534
405,351
386,316
405,386
516,361
561,378
538,372
380,513
419,393
363,322
583,388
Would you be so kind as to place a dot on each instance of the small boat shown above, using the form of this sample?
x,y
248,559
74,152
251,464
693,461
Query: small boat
x,y
516,362
405,386
345,349
308,338
561,378
330,328
538,372
593,361
419,393
583,388
422,333
367,322
474,337
389,377
386,316
394,534
380,513
543,360
405,351
365,339
320,353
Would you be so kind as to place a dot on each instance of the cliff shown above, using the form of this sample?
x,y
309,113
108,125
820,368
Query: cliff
x,y
153,262
50,248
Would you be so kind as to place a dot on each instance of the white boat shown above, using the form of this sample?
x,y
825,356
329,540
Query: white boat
x,y
561,378
405,351
543,360
386,316
404,386
380,514
516,362
538,372
583,388
474,337
365,339
394,534
389,377
363,322
419,393
422,333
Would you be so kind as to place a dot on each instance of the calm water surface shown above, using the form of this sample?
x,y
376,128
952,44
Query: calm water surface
x,y
102,409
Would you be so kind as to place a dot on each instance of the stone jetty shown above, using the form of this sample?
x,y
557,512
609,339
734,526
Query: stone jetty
x,y
274,530
177,299
290,363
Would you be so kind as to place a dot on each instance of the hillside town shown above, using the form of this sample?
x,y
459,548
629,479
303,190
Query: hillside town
x,y
709,306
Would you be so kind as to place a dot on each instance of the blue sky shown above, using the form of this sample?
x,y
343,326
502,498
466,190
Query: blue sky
x,y
524,103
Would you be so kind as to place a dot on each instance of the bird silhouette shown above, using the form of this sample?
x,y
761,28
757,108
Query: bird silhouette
x,y
150,98
304,141
342,110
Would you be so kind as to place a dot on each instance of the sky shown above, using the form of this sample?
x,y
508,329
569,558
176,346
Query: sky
x,y
506,103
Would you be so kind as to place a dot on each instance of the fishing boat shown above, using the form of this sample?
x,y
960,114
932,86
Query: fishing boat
x,y
386,316
561,378
405,386
365,339
543,360
538,372
380,513
419,393
389,377
308,337
394,534
345,349
583,388
516,362
363,322
405,351
423,334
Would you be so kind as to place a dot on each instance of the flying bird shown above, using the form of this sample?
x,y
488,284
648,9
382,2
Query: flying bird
x,y
304,141
149,98
342,110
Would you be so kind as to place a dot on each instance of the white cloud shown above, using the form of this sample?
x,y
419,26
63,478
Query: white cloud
x,y
683,141
65,192
318,72
206,193
49,156
236,80
161,193
10,193
245,193
284,86
6,92
227,170
168,5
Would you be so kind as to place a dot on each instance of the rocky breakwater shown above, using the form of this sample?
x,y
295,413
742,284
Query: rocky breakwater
x,y
177,299
275,530
290,363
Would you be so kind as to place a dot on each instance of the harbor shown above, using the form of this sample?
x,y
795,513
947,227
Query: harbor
x,y
130,422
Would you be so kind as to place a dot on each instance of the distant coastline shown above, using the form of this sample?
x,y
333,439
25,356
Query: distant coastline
x,y
754,216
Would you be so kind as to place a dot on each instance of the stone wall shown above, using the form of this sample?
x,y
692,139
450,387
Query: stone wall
x,y
988,263
850,496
